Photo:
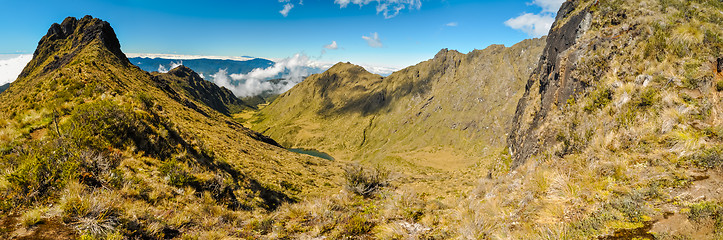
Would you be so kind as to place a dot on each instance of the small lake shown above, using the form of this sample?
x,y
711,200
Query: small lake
x,y
312,152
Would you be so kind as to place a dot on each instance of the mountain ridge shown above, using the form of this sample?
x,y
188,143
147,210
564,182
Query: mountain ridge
x,y
83,126
409,116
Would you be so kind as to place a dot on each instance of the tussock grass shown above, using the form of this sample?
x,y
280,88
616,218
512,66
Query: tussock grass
x,y
34,216
365,182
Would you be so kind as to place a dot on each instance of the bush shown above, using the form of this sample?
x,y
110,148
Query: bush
x,y
711,158
103,124
365,182
600,99
356,226
43,169
647,98
719,86
707,210
704,210
176,173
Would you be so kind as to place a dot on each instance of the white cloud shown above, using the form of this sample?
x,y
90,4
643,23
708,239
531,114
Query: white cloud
x,y
373,40
389,8
452,24
163,69
550,6
332,46
11,66
291,70
287,8
535,25
381,70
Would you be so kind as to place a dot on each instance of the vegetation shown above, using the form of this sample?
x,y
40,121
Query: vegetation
x,y
116,153
365,182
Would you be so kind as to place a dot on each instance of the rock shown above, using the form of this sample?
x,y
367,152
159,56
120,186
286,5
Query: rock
x,y
676,81
643,80
549,84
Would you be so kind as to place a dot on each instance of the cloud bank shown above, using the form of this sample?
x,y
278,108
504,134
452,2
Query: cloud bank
x,y
373,40
290,71
388,8
381,70
536,25
163,69
11,66
332,46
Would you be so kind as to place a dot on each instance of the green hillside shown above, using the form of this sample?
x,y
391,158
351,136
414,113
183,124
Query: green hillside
x,y
610,127
92,146
617,134
442,114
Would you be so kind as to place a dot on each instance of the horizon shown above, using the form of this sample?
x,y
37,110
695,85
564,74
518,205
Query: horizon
x,y
382,36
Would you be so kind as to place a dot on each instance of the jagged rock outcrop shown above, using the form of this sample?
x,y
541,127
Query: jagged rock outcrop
x,y
65,41
444,113
183,79
551,84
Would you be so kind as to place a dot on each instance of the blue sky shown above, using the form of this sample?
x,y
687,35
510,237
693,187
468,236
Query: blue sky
x,y
363,31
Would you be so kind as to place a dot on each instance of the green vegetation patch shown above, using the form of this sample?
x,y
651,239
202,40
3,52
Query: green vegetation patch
x,y
599,99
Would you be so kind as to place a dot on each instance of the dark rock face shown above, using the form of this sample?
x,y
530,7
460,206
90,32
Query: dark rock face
x,y
77,33
548,85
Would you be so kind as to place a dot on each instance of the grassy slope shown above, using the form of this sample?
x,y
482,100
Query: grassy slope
x,y
629,145
442,114
165,151
626,134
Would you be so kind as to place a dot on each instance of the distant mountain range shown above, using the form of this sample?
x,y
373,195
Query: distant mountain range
x,y
204,67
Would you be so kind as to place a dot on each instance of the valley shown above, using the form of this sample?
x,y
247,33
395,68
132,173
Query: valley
x,y
608,127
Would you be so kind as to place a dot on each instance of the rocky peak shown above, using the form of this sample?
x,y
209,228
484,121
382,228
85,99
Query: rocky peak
x,y
66,40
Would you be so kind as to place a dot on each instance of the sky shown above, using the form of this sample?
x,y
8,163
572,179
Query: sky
x,y
384,34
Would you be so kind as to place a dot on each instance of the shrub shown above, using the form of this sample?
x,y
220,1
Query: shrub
x,y
176,173
102,124
707,210
647,98
711,158
703,210
719,86
357,225
599,99
43,169
365,182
